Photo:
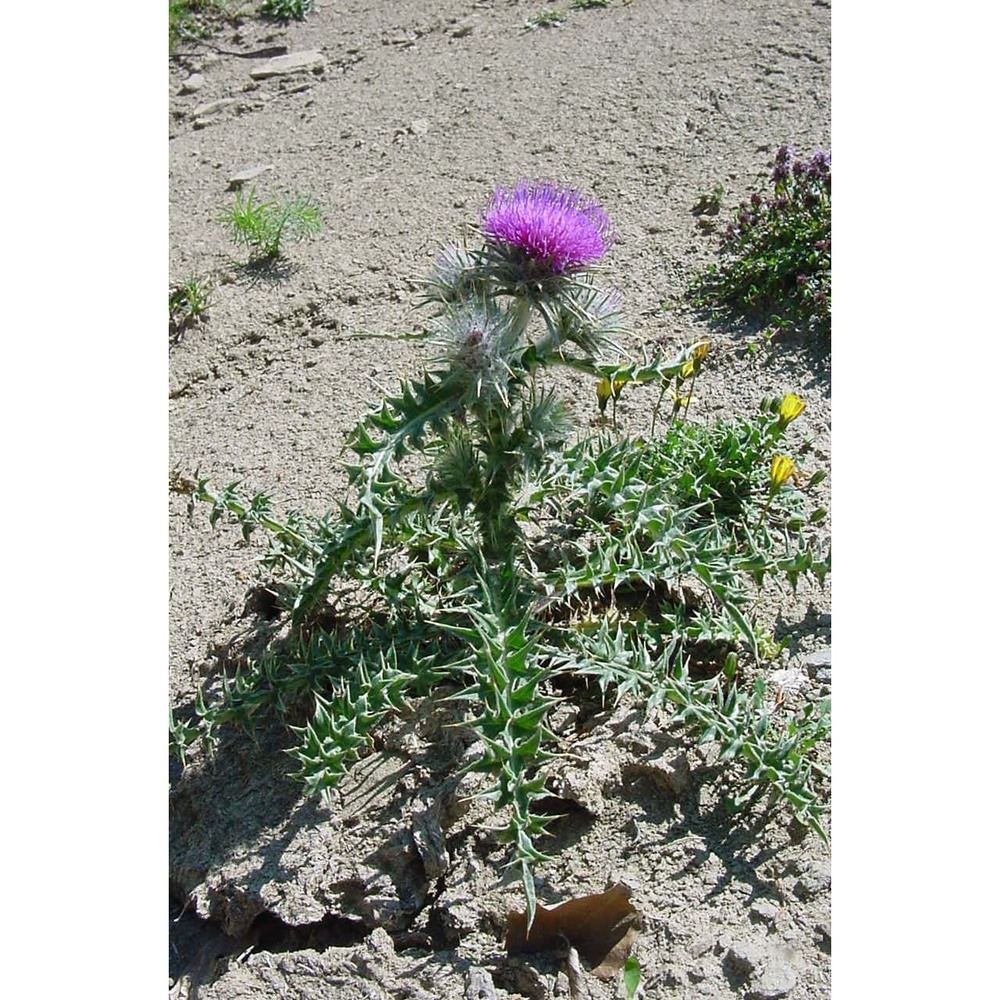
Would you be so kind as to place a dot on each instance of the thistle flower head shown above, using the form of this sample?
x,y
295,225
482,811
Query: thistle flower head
x,y
557,228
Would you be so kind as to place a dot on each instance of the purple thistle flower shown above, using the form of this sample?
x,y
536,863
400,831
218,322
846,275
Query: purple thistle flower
x,y
555,226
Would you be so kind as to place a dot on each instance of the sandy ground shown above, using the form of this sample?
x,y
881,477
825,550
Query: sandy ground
x,y
409,115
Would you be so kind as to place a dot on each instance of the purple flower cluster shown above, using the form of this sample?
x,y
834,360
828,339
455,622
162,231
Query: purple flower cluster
x,y
816,169
797,184
556,227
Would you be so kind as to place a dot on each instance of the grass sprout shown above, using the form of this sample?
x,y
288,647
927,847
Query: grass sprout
x,y
188,303
264,227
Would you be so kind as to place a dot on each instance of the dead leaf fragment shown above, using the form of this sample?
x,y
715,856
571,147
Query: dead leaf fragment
x,y
577,986
602,927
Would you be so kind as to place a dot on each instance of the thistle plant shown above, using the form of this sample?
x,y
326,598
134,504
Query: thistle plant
x,y
263,228
479,537
776,252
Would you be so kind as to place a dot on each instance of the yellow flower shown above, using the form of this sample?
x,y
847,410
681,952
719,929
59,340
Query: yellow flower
x,y
603,393
782,467
618,385
791,407
699,351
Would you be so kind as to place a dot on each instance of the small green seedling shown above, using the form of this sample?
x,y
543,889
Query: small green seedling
x,y
632,974
262,227
587,4
194,18
285,10
547,18
189,304
709,204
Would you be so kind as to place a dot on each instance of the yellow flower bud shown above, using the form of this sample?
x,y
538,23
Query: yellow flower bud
x,y
791,407
700,351
603,393
618,385
782,467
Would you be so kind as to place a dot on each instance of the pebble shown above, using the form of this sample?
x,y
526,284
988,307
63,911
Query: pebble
x,y
789,681
248,174
819,665
765,910
746,958
777,980
193,84
813,880
769,975
294,62
213,107
479,984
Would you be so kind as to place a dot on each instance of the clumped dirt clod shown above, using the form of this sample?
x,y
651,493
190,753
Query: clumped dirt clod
x,y
399,119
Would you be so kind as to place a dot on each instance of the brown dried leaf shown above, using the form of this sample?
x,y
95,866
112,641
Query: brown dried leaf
x,y
577,987
601,927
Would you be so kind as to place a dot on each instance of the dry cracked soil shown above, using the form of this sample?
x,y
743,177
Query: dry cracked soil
x,y
399,118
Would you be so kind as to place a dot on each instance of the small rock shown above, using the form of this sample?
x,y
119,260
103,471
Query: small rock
x,y
458,916
819,665
430,840
193,84
764,910
815,879
479,984
824,934
769,976
790,682
701,970
293,62
672,775
248,174
420,126
777,980
462,29
212,107
746,958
